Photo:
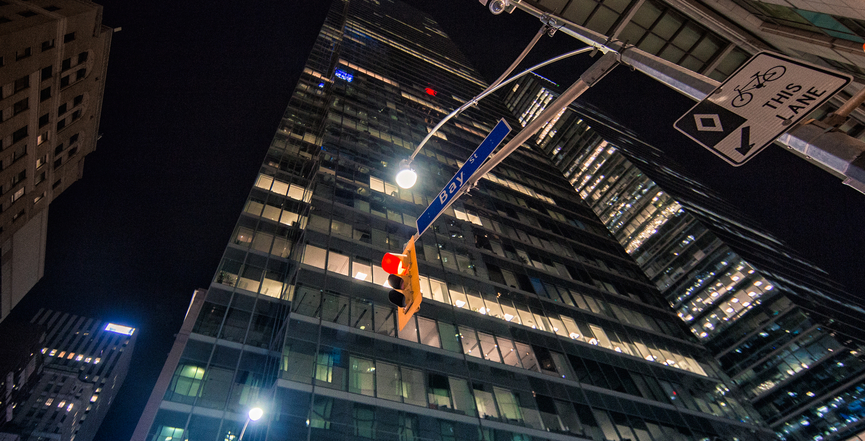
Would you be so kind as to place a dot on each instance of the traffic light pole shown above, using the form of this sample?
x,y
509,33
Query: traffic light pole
x,y
403,268
591,76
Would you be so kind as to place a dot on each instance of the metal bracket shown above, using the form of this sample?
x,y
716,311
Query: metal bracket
x,y
550,22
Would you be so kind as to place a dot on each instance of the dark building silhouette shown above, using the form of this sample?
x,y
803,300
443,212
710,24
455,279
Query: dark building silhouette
x,y
80,366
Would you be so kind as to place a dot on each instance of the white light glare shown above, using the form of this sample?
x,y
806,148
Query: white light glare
x,y
255,413
406,178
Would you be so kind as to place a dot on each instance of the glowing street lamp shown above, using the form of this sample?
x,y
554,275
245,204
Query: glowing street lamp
x,y
255,414
406,176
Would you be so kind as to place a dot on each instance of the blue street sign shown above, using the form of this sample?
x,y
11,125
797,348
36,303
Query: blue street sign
x,y
447,195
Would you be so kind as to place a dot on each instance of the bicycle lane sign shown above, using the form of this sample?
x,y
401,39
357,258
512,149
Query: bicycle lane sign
x,y
764,98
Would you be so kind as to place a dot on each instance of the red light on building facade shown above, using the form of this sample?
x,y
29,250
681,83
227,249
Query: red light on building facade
x,y
430,91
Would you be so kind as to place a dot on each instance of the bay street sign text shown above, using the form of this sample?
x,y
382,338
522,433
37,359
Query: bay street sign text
x,y
451,191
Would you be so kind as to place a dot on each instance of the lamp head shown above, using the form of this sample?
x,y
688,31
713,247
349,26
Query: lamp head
x,y
255,413
405,177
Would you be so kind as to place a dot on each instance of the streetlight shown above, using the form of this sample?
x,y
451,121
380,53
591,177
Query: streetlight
x,y
255,414
406,176
405,165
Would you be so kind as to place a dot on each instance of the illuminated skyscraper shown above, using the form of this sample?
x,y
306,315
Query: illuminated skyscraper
x,y
535,324
789,338
83,364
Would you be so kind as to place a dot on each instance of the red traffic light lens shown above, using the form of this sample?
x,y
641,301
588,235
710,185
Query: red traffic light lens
x,y
392,264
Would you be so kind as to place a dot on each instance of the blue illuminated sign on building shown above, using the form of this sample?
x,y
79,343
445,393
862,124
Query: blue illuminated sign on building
x,y
344,75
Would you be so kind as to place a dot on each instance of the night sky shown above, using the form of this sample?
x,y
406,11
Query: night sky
x,y
194,94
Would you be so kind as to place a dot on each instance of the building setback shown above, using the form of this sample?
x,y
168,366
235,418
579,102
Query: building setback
x,y
84,363
788,337
535,324
53,62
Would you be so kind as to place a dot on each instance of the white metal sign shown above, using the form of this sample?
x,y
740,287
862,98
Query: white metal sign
x,y
760,101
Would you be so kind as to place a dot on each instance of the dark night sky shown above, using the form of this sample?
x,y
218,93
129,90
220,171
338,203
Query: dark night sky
x,y
194,94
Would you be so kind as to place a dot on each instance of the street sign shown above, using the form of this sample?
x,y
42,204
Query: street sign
x,y
766,97
449,192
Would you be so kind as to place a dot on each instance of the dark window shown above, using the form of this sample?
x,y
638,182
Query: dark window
x,y
82,57
47,45
64,81
78,100
61,124
19,177
15,218
22,83
19,153
66,64
1,58
58,149
45,94
61,110
20,106
43,120
72,151
56,184
27,13
74,138
58,162
52,8
19,134
80,74
46,73
4,20
76,114
23,54
69,37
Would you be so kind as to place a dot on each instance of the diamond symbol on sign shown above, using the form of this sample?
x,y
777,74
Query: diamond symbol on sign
x,y
711,117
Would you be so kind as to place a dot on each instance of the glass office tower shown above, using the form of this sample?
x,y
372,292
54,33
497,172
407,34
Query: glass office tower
x,y
535,324
788,337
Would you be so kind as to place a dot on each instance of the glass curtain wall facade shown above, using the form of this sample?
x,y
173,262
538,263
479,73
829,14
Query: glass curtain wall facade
x,y
690,34
535,324
774,323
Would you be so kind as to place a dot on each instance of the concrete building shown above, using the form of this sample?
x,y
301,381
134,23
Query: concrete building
x,y
85,362
535,324
53,61
788,337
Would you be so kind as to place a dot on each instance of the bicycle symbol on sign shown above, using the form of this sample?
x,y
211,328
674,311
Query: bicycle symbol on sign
x,y
758,80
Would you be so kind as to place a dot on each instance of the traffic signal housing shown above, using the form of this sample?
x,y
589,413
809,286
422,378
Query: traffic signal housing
x,y
403,278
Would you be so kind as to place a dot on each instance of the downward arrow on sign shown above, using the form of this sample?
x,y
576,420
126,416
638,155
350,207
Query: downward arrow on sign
x,y
746,144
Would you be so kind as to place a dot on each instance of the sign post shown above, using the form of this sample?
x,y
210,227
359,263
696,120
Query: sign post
x,y
452,190
754,106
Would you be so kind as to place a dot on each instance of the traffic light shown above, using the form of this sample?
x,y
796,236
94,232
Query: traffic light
x,y
403,278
